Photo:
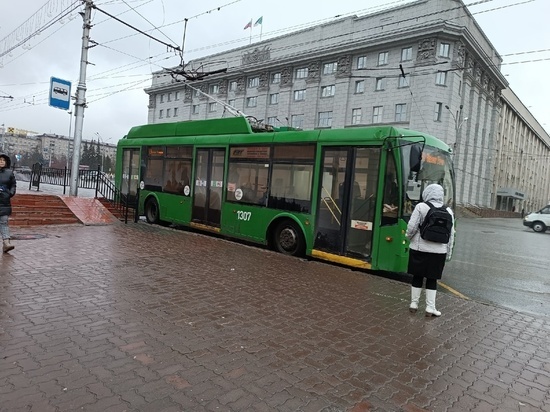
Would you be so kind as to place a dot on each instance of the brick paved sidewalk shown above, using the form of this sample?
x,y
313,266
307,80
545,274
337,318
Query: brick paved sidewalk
x,y
143,318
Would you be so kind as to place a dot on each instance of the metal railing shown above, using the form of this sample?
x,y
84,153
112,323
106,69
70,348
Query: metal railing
x,y
87,179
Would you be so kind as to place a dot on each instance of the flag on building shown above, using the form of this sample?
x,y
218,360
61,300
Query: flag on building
x,y
248,25
259,21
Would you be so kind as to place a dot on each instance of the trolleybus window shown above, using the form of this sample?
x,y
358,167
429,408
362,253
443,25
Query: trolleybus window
x,y
289,187
391,205
153,178
435,167
248,173
177,167
292,177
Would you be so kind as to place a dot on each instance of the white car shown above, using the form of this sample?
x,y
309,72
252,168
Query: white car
x,y
538,221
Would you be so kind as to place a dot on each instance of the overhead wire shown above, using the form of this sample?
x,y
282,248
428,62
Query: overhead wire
x,y
46,26
148,21
433,13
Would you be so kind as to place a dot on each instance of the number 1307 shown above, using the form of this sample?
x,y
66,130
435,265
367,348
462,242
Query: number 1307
x,y
243,215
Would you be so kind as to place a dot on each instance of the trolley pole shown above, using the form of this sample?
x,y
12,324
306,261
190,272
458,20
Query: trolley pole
x,y
80,103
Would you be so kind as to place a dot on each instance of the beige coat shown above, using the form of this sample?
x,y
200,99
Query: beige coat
x,y
433,194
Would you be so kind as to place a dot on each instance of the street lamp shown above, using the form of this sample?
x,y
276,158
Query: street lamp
x,y
3,131
69,143
100,141
458,123
70,122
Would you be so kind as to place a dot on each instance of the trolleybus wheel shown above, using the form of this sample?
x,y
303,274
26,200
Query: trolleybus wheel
x,y
152,211
288,239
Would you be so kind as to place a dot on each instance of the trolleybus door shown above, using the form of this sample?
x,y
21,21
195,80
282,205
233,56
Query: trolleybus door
x,y
347,201
207,194
130,174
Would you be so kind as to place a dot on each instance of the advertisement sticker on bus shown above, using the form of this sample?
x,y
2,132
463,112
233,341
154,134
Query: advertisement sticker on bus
x,y
251,152
361,225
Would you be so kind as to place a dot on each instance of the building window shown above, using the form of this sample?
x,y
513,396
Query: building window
x,y
195,109
274,98
406,54
301,73
276,78
360,86
401,112
356,116
212,107
299,95
328,91
161,114
437,112
330,68
444,49
162,98
168,111
272,120
325,119
177,96
231,102
362,62
196,93
253,82
403,82
441,78
251,101
176,110
169,97
380,83
297,121
232,86
377,114
213,89
383,58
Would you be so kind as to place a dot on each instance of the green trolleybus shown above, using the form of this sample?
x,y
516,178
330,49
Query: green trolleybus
x,y
340,195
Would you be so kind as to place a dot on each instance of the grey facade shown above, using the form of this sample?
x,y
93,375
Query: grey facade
x,y
425,66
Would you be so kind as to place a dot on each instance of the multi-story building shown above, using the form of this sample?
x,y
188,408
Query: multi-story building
x,y
50,146
426,66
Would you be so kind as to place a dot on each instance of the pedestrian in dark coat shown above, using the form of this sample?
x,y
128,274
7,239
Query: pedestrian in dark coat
x,y
426,258
8,187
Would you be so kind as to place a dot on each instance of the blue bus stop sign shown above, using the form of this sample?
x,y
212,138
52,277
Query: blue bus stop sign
x,y
60,93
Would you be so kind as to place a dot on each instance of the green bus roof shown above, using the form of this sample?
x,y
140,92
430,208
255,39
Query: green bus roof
x,y
237,130
210,127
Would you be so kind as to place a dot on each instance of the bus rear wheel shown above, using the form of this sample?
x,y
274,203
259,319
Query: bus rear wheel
x,y
152,211
288,239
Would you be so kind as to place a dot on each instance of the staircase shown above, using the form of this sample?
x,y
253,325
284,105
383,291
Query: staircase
x,y
36,210
117,211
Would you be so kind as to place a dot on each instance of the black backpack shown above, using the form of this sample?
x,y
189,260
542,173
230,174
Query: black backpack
x,y
437,225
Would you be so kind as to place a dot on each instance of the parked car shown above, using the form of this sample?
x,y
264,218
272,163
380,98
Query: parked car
x,y
538,221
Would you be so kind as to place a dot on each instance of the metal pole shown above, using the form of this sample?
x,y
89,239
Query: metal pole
x,y
80,103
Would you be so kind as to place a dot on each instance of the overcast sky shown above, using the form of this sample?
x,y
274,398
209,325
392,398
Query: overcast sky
x,y
124,60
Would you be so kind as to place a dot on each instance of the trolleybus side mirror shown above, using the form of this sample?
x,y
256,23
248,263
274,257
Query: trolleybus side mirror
x,y
415,157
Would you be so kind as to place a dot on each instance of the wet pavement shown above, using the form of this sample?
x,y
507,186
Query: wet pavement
x,y
144,318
